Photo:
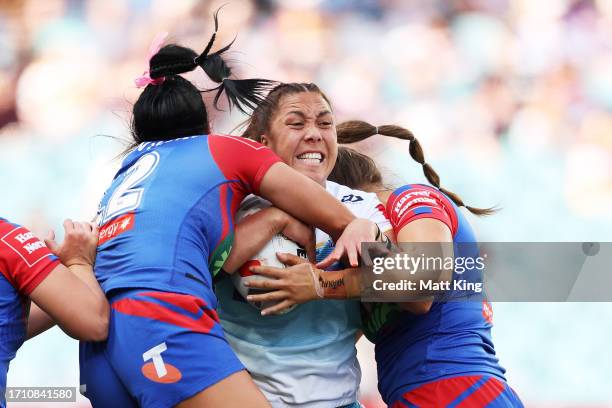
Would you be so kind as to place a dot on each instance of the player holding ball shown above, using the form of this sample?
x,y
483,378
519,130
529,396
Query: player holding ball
x,y
431,353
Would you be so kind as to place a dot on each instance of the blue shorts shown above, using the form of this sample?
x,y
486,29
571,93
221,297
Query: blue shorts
x,y
162,348
475,391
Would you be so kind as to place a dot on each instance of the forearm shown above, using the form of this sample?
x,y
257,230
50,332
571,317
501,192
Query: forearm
x,y
98,306
308,201
70,294
73,298
38,321
251,234
343,284
86,274
424,231
346,284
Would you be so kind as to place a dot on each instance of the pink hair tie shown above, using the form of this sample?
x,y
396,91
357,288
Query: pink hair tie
x,y
145,79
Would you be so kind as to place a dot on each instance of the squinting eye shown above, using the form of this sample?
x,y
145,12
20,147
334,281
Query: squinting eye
x,y
326,123
296,124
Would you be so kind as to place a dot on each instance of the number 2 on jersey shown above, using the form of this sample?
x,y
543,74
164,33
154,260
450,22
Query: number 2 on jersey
x,y
125,197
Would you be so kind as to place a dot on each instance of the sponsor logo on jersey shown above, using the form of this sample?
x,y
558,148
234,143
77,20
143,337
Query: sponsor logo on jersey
x,y
157,370
351,198
115,227
26,245
400,210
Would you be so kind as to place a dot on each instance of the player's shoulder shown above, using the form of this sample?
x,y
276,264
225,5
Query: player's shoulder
x,y
19,243
416,187
421,193
7,226
240,141
412,200
4,221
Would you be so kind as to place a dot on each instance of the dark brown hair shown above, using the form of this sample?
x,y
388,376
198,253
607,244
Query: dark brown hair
x,y
259,122
354,169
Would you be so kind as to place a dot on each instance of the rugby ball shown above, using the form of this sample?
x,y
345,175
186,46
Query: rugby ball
x,y
267,255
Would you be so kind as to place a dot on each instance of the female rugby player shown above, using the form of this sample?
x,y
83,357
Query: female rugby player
x,y
433,353
306,357
166,230
67,294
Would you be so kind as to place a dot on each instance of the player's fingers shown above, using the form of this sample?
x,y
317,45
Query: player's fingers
x,y
95,231
275,295
94,228
79,226
52,245
290,259
68,225
353,258
268,271
278,308
331,258
310,247
86,226
327,262
50,241
265,283
89,230
311,253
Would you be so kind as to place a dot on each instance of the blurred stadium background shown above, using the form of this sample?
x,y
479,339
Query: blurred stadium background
x,y
510,98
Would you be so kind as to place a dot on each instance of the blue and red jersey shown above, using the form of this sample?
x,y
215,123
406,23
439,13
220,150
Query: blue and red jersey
x,y
166,221
454,337
25,262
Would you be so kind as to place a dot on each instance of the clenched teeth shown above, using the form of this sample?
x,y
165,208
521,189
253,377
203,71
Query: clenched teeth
x,y
311,156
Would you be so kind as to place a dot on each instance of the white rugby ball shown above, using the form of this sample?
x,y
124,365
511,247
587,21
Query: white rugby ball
x,y
267,255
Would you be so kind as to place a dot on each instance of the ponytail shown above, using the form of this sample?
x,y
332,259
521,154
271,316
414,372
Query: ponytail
x,y
171,106
242,93
355,131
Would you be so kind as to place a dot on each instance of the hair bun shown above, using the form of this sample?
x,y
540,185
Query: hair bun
x,y
172,59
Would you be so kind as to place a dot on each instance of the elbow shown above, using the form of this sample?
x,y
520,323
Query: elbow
x,y
97,327
95,332
100,331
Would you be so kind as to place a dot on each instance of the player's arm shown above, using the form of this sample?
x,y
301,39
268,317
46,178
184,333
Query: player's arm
x,y
304,199
261,170
38,321
302,282
307,201
70,294
426,230
253,232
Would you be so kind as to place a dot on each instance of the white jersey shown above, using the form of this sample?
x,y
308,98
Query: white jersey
x,y
306,357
